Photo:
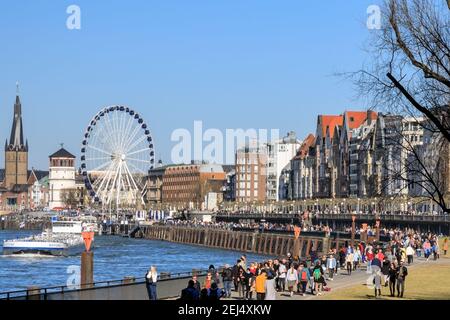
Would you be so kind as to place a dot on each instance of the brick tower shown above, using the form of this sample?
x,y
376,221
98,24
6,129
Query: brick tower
x,y
16,151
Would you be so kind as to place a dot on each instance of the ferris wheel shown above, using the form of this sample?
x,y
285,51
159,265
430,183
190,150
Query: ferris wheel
x,y
117,153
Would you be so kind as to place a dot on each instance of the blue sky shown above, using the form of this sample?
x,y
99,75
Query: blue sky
x,y
230,63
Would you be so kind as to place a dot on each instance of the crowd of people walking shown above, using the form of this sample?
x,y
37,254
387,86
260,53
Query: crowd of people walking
x,y
387,264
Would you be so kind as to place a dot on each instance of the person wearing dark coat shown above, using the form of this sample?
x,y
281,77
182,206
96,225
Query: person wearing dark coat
x,y
385,271
197,285
402,272
190,293
235,274
204,295
215,293
377,262
392,278
227,278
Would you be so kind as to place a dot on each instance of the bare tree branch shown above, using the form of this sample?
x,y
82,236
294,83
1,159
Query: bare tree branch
x,y
428,113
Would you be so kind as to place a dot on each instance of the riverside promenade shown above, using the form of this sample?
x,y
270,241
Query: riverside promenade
x,y
359,278
418,280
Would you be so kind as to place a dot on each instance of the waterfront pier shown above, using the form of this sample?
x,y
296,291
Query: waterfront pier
x,y
243,241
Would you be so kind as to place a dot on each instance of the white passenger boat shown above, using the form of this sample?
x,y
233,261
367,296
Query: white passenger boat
x,y
63,239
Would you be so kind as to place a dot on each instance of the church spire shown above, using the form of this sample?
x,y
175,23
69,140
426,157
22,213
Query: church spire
x,y
16,140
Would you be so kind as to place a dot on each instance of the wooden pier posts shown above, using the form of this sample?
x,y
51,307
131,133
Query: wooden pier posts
x,y
87,262
87,269
261,243
296,250
254,235
377,226
364,233
326,245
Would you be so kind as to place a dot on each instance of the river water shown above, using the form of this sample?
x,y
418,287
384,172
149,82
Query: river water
x,y
114,258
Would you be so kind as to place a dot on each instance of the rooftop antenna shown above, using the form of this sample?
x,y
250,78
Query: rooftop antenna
x,y
17,87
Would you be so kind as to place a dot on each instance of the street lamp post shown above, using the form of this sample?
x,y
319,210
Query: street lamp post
x,y
353,230
392,205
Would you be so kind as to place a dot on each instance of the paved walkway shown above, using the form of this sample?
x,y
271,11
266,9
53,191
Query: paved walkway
x,y
342,280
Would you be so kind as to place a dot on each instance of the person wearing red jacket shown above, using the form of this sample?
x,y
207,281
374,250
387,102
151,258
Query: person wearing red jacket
x,y
380,255
370,256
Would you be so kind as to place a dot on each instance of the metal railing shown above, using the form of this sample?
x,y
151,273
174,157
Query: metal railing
x,y
339,216
44,292
385,217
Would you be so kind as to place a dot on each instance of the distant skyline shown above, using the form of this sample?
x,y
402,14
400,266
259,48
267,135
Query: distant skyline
x,y
231,64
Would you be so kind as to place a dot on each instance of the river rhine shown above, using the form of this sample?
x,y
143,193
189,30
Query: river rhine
x,y
115,258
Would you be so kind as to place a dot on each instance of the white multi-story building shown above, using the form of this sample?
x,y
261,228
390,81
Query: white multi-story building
x,y
61,177
279,156
302,170
396,137
39,193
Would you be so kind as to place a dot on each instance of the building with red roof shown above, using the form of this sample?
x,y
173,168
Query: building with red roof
x,y
331,176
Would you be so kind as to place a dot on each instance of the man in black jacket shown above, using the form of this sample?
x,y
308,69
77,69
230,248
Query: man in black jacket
x,y
215,293
190,293
227,278
392,278
402,272
276,267
385,271
235,274
197,285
